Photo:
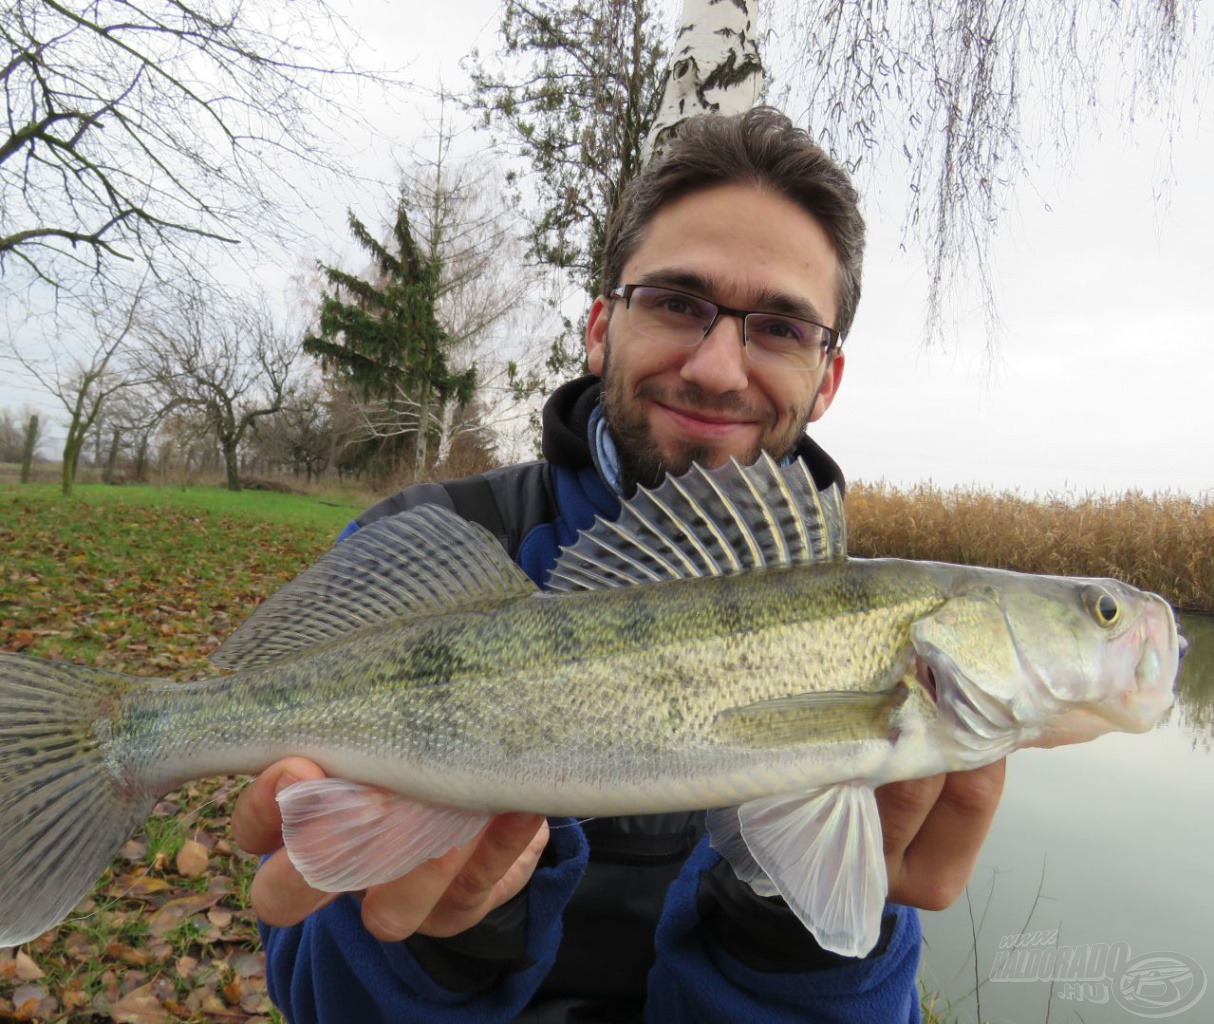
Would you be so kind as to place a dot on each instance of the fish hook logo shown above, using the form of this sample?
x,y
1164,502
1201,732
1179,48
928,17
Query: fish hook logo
x,y
1157,985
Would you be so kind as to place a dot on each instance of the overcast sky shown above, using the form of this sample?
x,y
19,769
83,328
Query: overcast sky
x,y
1104,365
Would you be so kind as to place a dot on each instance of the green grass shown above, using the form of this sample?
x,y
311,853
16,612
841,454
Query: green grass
x,y
328,511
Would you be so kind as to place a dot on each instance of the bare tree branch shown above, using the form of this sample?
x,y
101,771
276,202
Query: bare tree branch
x,y
129,129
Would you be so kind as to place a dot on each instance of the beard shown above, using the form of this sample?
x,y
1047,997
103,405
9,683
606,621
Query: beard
x,y
642,462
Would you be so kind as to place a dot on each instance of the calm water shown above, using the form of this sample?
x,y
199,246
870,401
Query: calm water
x,y
1118,836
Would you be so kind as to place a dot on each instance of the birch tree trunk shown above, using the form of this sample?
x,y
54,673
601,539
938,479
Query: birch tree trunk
x,y
446,432
715,68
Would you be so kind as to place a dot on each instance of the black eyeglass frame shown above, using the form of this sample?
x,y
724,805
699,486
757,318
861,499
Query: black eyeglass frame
x,y
830,347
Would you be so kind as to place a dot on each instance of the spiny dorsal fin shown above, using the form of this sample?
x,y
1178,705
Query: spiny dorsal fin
x,y
426,561
709,523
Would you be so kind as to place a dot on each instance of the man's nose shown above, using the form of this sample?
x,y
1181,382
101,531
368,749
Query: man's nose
x,y
719,363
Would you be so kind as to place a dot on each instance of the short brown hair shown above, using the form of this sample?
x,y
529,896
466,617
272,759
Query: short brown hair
x,y
760,147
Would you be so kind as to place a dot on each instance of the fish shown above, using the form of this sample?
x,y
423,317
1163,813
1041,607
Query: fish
x,y
712,648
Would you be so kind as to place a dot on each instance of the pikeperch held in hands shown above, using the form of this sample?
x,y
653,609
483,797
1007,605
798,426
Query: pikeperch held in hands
x,y
712,648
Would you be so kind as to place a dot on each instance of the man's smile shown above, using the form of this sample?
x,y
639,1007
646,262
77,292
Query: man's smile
x,y
703,423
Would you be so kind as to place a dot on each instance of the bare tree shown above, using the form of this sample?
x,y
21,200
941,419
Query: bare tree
x,y
956,90
124,431
130,126
85,374
185,444
299,437
228,360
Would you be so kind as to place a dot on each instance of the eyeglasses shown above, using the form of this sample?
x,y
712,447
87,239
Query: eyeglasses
x,y
678,318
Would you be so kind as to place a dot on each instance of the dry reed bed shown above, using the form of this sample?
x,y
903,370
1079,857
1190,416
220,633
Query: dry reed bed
x,y
1160,542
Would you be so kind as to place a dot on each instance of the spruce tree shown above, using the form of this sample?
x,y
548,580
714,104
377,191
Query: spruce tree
x,y
383,336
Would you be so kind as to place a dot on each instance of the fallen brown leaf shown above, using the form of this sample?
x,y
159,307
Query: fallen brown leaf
x,y
73,998
27,970
139,1006
78,946
248,965
133,850
175,911
128,955
192,859
137,886
233,992
31,1001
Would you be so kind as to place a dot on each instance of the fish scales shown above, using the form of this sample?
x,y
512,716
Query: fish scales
x,y
602,691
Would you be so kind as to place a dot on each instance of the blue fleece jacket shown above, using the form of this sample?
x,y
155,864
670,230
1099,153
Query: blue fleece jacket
x,y
329,970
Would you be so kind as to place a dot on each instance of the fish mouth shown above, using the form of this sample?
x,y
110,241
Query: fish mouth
x,y
1157,670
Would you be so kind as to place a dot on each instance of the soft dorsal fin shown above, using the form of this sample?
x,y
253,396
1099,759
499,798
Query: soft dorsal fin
x,y
709,522
426,561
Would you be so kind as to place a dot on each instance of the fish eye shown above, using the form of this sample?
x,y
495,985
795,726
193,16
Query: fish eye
x,y
1103,606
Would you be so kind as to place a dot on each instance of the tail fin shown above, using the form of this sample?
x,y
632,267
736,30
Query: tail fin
x,y
65,809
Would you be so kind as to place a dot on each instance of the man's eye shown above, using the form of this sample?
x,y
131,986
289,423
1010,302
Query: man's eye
x,y
676,305
780,330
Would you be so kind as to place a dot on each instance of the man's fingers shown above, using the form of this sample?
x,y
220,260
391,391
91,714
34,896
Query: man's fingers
x,y
281,897
465,883
256,820
501,865
501,845
904,807
939,861
394,910
446,895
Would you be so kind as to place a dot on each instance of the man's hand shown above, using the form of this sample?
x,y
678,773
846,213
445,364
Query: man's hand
x,y
933,831
442,897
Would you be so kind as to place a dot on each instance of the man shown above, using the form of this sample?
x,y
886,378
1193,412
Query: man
x,y
731,272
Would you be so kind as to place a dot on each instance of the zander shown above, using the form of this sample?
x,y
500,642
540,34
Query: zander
x,y
712,648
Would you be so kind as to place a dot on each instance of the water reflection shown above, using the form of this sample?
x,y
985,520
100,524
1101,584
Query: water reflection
x,y
1194,711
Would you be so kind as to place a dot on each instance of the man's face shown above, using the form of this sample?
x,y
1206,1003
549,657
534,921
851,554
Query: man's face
x,y
667,406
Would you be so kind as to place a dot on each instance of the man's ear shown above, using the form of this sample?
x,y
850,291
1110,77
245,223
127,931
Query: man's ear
x,y
831,378
596,335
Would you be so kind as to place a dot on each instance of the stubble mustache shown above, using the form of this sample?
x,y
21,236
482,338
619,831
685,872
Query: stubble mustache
x,y
694,399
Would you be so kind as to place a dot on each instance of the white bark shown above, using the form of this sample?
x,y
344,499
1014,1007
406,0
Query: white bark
x,y
446,434
716,66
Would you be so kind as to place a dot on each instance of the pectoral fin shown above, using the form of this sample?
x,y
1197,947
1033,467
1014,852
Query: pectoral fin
x,y
821,851
344,836
825,717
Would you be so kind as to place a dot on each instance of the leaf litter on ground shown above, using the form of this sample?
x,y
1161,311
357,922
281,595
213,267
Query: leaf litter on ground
x,y
167,934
